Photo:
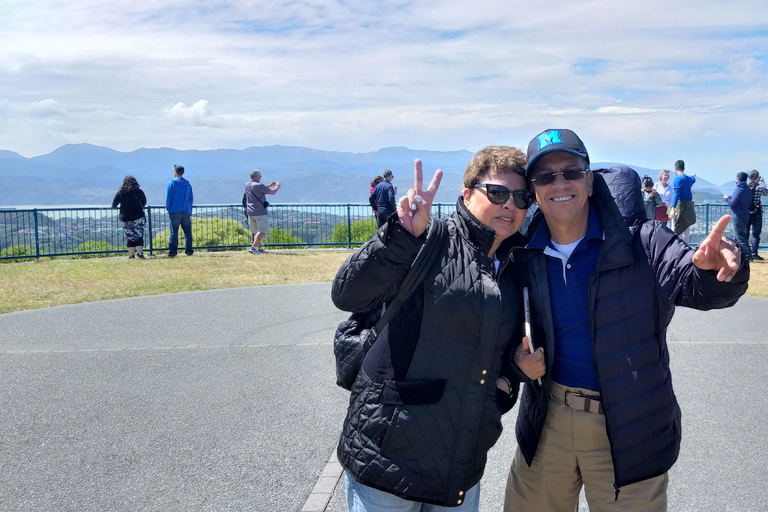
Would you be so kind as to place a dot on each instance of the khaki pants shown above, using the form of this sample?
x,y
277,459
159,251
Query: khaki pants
x,y
574,451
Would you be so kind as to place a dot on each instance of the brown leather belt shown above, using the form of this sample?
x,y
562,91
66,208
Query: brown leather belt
x,y
577,400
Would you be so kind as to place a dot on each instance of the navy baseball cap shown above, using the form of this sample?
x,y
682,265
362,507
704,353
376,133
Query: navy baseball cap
x,y
554,140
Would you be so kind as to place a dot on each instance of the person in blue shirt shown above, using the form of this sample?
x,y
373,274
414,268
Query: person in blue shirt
x,y
740,201
684,214
178,203
385,198
602,291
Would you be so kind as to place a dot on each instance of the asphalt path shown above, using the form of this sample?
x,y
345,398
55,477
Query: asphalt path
x,y
226,400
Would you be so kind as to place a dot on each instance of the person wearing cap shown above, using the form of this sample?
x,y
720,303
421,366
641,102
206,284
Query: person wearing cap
x,y
385,198
178,203
757,185
602,292
740,201
684,213
256,208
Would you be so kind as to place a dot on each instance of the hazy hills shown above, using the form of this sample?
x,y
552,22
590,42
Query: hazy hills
x,y
83,174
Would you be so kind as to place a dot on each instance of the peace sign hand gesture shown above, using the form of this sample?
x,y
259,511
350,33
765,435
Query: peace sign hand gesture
x,y
718,253
413,210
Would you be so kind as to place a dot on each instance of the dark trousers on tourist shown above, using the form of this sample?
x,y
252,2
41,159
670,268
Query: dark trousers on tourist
x,y
755,226
184,220
381,216
741,230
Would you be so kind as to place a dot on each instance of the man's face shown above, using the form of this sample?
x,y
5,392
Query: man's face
x,y
257,177
563,200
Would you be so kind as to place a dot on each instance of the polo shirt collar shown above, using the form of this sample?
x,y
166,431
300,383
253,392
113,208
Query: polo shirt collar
x,y
542,238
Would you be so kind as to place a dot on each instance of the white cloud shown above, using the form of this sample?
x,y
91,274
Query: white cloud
x,y
46,108
198,114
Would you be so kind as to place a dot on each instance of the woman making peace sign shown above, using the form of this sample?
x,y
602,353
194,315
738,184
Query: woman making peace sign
x,y
426,406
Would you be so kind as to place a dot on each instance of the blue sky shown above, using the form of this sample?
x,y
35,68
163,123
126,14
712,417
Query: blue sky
x,y
643,84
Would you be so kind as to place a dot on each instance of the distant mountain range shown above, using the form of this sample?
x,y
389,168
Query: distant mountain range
x,y
84,174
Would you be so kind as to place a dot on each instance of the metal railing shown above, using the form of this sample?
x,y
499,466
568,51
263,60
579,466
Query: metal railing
x,y
50,232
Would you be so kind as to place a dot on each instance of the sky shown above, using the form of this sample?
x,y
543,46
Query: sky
x,y
644,83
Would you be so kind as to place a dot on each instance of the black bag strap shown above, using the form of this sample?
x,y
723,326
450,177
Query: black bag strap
x,y
427,255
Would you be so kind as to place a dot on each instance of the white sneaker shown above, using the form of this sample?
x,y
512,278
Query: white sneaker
x,y
253,250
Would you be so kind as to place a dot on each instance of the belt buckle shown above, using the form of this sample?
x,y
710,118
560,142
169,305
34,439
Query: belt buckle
x,y
579,394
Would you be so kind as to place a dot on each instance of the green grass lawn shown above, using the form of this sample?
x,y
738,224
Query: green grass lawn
x,y
53,283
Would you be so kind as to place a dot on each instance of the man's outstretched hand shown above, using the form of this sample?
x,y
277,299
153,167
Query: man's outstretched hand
x,y
414,207
718,253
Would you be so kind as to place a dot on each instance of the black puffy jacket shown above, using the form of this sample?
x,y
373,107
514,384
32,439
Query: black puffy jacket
x,y
643,271
424,410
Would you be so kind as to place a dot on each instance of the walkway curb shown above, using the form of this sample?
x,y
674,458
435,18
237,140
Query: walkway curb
x,y
323,491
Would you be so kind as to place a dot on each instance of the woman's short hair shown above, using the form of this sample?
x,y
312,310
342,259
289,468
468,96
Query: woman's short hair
x,y
129,183
494,161
663,172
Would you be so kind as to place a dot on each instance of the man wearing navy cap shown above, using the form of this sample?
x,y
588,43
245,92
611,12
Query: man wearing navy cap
x,y
602,293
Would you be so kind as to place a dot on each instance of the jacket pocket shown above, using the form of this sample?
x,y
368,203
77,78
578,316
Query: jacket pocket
x,y
417,392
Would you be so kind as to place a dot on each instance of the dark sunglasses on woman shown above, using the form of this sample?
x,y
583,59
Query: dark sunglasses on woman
x,y
499,194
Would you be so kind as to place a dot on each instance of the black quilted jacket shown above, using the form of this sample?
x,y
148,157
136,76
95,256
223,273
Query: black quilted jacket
x,y
424,409
642,273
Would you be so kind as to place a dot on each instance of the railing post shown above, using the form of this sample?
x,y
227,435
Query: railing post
x,y
149,227
37,237
706,216
439,210
349,226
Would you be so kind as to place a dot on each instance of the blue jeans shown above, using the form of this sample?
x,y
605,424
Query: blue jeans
x,y
185,220
756,226
361,498
741,230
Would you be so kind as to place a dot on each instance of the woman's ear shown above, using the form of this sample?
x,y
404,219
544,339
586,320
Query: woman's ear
x,y
466,194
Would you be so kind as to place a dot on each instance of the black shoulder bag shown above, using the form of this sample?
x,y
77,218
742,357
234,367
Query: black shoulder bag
x,y
355,336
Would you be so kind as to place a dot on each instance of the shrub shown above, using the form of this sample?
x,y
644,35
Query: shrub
x,y
279,236
362,231
17,250
93,245
208,231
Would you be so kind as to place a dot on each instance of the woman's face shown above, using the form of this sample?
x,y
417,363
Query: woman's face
x,y
664,178
505,219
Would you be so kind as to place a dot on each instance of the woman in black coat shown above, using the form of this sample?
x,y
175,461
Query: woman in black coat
x,y
426,405
132,200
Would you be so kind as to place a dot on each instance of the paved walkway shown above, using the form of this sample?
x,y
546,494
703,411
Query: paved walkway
x,y
225,400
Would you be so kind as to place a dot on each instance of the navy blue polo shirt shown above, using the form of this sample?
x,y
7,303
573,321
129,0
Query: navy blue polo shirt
x,y
574,364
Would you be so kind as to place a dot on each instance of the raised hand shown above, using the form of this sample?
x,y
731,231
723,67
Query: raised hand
x,y
718,253
414,207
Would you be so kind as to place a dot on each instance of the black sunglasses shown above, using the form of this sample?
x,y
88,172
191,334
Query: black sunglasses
x,y
548,178
499,194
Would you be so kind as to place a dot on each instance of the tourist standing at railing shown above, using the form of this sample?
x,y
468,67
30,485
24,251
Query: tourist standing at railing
x,y
256,208
372,196
740,201
666,194
685,214
132,200
757,185
385,198
178,202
